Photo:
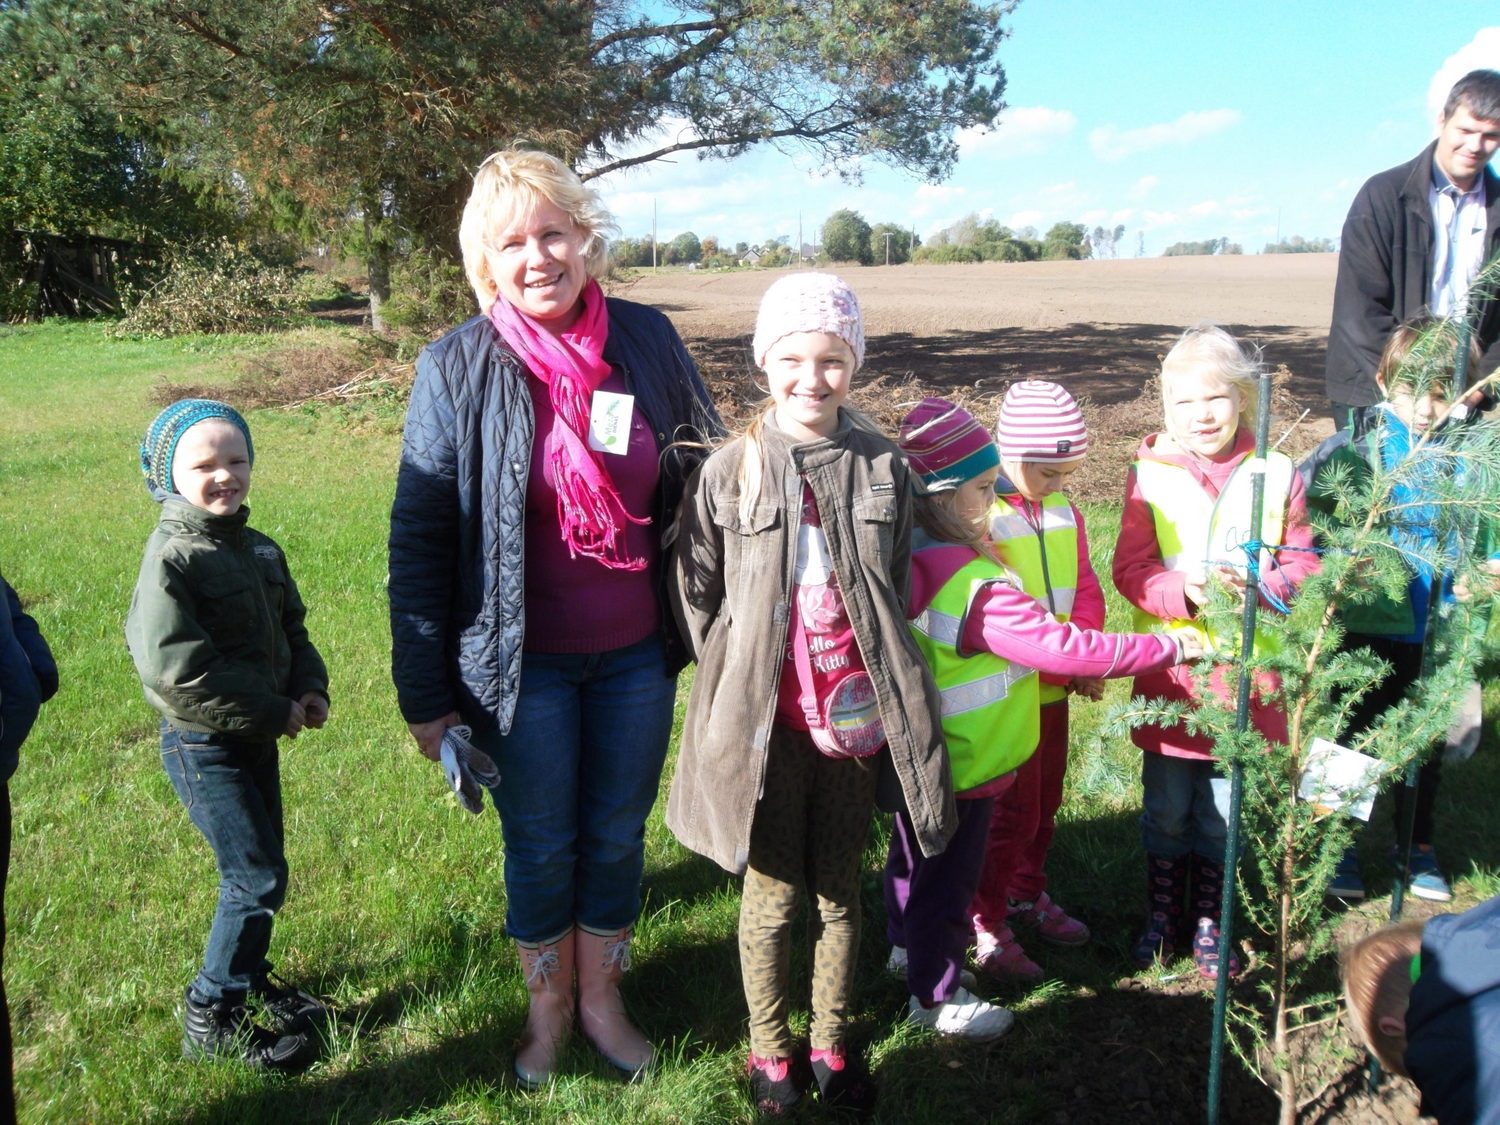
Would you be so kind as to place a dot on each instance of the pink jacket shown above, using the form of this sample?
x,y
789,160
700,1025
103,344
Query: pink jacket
x,y
1146,582
1008,621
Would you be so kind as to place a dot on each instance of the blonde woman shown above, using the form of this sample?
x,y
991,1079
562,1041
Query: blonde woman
x,y
540,466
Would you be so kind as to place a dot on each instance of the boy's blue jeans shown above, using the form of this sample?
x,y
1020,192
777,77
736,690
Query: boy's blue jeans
x,y
232,792
579,772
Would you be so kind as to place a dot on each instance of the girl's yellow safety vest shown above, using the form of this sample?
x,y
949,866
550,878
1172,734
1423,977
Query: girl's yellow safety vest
x,y
1195,532
1045,561
991,708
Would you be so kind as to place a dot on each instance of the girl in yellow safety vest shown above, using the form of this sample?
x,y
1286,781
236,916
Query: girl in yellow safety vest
x,y
985,639
1038,534
1187,509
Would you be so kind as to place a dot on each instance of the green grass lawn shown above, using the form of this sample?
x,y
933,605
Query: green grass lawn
x,y
396,908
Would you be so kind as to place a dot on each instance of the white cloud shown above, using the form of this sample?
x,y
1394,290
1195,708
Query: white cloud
x,y
1481,52
1111,143
1207,207
1144,187
1340,192
934,194
1029,218
1022,131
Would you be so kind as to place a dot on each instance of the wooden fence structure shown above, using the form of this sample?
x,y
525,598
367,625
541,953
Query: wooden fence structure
x,y
66,276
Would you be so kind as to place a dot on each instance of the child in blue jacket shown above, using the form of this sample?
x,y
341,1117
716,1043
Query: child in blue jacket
x,y
1425,997
1402,439
28,678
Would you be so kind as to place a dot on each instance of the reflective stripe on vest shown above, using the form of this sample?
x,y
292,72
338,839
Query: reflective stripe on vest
x,y
991,716
1195,532
1021,549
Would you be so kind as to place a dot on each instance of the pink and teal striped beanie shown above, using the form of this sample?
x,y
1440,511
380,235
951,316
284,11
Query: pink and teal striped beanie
x,y
946,445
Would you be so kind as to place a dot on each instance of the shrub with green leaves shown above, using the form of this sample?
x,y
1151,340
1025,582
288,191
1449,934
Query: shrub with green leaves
x,y
429,295
17,295
218,287
312,287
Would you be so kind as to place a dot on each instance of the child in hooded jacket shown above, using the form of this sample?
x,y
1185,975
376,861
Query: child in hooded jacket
x,y
1039,534
1424,996
1183,500
792,565
986,639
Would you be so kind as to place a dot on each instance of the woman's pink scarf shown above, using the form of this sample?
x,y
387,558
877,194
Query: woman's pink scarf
x,y
572,365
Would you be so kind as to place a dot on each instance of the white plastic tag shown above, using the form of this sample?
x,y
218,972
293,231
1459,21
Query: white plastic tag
x,y
1334,777
609,422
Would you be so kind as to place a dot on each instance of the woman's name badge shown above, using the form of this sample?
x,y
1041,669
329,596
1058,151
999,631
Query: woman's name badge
x,y
609,422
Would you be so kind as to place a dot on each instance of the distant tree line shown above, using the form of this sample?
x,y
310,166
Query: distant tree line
x,y
1207,246
1296,244
688,249
848,237
1299,245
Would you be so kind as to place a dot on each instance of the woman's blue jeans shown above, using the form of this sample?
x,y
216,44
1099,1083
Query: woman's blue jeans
x,y
579,772
232,792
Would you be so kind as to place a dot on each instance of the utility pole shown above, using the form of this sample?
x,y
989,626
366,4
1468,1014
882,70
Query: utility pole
x,y
887,247
653,234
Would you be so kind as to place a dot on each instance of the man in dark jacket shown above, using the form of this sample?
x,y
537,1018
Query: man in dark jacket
x,y
1415,238
28,678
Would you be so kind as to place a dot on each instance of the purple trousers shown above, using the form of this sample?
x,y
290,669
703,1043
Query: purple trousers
x,y
927,900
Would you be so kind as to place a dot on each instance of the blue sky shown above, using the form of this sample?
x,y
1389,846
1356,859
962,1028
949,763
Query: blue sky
x,y
1182,121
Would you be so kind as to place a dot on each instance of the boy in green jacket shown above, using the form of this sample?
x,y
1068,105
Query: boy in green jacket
x,y
216,632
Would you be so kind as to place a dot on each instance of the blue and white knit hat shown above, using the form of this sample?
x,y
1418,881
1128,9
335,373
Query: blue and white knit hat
x,y
162,436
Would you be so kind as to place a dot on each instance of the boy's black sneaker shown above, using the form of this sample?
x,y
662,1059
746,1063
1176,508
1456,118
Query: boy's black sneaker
x,y
224,1030
286,1009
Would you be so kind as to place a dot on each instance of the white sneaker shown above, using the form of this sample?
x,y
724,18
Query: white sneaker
x,y
965,1015
895,964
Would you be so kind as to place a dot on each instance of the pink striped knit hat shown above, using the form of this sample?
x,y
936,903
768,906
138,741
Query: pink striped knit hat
x,y
1039,421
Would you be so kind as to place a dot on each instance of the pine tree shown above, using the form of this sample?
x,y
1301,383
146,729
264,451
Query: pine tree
x,y
1288,1021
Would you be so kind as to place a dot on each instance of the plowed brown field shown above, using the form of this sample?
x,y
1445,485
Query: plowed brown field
x,y
1099,328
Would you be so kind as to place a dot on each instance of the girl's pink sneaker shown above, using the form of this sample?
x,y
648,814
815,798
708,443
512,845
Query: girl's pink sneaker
x,y
999,955
1050,921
